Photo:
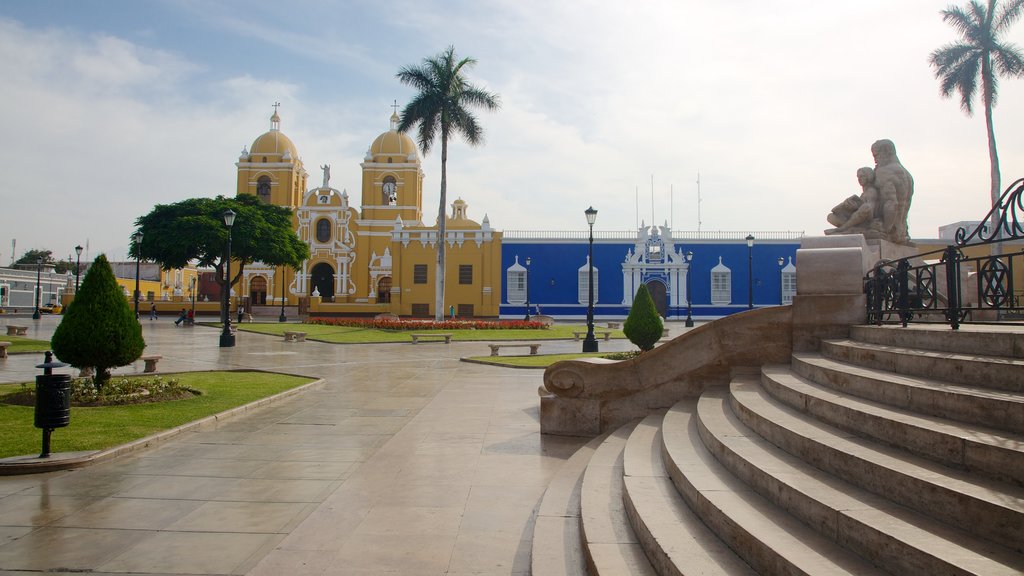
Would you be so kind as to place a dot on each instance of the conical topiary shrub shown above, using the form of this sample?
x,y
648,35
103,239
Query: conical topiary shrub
x,y
643,326
99,329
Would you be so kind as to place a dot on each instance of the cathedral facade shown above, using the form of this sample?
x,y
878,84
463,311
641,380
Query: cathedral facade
x,y
371,255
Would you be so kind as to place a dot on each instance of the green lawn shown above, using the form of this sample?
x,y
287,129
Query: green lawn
x,y
104,427
533,361
20,344
353,335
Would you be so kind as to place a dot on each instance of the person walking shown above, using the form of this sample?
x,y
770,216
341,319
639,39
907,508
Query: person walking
x,y
152,311
181,317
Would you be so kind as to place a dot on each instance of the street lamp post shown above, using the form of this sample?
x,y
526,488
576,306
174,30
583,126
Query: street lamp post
x,y
527,289
750,271
282,318
590,343
782,297
78,266
227,339
193,292
39,287
689,307
137,237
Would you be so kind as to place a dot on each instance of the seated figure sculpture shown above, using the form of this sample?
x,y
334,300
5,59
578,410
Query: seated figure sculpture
x,y
881,209
859,214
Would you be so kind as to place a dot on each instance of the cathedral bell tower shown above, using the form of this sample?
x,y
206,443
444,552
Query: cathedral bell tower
x,y
392,180
271,169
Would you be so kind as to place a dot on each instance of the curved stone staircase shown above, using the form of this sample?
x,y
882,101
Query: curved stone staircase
x,y
894,451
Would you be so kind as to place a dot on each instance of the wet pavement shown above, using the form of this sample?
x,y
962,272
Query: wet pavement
x,y
406,461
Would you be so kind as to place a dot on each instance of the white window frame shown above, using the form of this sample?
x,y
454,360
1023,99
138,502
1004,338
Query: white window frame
x,y
721,286
583,285
788,287
516,284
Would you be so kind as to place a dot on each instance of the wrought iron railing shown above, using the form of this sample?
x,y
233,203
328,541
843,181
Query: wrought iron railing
x,y
946,286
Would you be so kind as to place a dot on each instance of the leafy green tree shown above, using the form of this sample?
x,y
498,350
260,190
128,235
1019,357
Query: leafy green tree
x,y
99,328
193,230
643,326
32,257
980,55
443,106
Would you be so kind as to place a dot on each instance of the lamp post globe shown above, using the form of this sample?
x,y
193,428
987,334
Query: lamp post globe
x,y
227,338
689,306
750,271
590,343
78,266
137,238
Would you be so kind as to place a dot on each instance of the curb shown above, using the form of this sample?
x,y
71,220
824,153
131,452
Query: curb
x,y
16,465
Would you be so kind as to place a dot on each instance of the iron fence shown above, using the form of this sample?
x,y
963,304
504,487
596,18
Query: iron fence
x,y
946,286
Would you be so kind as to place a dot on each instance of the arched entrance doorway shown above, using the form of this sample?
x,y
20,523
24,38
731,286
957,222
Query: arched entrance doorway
x,y
384,290
258,291
322,281
660,296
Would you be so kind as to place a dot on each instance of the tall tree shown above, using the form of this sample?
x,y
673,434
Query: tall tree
x,y
193,230
99,329
980,54
33,256
442,108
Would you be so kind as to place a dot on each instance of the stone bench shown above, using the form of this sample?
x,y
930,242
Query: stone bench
x,y
294,336
607,334
533,348
151,362
3,349
615,325
13,330
430,336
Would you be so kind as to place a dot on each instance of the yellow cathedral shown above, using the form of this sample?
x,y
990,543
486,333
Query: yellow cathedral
x,y
378,258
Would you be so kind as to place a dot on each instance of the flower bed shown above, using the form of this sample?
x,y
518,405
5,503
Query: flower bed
x,y
117,391
392,324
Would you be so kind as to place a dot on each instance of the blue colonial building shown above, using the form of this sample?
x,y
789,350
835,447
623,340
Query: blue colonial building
x,y
715,273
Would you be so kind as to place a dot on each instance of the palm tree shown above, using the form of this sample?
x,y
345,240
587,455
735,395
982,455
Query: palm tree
x,y
442,105
982,55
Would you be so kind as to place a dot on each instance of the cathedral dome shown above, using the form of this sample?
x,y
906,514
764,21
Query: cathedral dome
x,y
274,143
393,144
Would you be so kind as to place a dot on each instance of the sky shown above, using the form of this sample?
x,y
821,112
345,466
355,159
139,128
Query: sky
x,y
113,106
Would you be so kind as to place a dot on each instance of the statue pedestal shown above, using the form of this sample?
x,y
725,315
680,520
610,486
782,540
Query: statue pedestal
x,y
880,249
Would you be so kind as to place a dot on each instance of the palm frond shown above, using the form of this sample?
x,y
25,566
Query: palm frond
x,y
1008,14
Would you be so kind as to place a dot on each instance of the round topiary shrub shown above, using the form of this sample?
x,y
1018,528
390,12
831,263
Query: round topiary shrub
x,y
99,329
643,326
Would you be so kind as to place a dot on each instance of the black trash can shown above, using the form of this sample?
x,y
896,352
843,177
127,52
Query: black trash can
x,y
53,400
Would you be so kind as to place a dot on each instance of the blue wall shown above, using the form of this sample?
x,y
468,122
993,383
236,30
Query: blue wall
x,y
553,276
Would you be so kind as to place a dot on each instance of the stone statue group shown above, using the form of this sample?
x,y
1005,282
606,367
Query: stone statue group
x,y
880,211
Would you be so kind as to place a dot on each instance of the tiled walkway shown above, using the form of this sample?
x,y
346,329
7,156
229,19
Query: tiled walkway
x,y
406,461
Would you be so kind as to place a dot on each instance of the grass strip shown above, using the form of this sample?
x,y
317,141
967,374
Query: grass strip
x,y
359,335
532,361
98,428
21,345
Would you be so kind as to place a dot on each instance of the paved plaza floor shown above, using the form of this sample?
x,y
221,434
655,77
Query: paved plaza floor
x,y
406,461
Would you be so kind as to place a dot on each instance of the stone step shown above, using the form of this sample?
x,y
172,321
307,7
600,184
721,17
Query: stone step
x,y
769,539
889,535
971,447
610,546
996,372
994,408
557,546
993,510
676,541
969,339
